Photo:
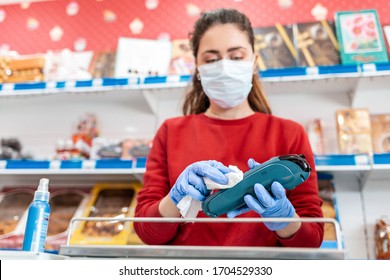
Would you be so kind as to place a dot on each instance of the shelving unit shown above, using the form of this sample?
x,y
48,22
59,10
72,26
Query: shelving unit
x,y
135,107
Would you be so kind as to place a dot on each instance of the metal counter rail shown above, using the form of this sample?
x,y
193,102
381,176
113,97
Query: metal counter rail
x,y
202,252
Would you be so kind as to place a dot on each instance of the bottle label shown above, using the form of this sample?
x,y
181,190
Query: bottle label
x,y
39,234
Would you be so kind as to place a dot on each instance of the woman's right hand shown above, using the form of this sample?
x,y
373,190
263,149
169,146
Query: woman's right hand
x,y
190,182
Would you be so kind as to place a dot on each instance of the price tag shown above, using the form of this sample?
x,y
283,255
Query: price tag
x,y
70,84
173,79
51,85
97,82
361,160
3,164
312,71
133,81
89,164
55,164
370,67
8,87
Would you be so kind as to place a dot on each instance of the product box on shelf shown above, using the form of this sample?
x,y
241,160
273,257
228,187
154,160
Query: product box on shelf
x,y
354,131
360,37
65,203
135,148
14,203
22,69
67,65
109,200
382,239
182,60
316,136
127,149
142,57
326,192
380,130
275,47
103,64
386,31
316,43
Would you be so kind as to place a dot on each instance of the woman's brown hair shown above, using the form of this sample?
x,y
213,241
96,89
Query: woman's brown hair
x,y
196,100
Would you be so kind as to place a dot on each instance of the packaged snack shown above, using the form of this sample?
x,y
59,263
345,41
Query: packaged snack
x,y
67,65
103,64
380,130
135,148
14,202
382,239
109,201
354,131
21,69
317,43
274,45
65,204
316,136
182,61
142,57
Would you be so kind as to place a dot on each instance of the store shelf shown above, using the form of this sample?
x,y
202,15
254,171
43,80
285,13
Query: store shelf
x,y
69,166
323,163
270,75
94,85
86,171
342,163
380,167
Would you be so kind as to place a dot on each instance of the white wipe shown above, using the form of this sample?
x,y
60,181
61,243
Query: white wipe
x,y
189,207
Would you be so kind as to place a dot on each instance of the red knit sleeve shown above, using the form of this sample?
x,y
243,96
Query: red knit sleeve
x,y
155,188
305,199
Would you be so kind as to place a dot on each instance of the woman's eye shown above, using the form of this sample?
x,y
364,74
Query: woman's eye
x,y
211,60
237,58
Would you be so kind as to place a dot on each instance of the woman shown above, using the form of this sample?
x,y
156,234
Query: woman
x,y
227,121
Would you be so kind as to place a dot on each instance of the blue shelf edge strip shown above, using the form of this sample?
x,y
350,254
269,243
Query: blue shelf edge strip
x,y
381,158
28,164
76,164
335,160
269,73
71,164
320,160
114,164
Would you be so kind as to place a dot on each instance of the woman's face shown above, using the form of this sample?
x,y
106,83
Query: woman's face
x,y
224,41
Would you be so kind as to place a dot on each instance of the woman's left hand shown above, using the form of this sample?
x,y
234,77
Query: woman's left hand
x,y
276,205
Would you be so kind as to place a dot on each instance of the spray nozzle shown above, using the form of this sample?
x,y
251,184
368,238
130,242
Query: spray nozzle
x,y
43,185
42,193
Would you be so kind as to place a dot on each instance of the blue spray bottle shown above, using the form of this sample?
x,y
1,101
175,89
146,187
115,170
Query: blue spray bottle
x,y
38,219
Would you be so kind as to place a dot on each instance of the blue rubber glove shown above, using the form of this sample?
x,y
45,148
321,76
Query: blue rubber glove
x,y
276,205
190,181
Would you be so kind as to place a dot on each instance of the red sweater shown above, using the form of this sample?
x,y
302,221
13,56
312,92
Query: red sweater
x,y
184,140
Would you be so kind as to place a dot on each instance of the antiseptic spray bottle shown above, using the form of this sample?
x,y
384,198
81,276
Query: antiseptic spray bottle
x,y
38,219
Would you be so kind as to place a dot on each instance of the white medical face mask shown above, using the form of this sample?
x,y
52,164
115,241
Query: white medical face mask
x,y
227,82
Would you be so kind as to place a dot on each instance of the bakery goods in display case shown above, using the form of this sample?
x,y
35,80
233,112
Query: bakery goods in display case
x,y
110,200
65,204
14,202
